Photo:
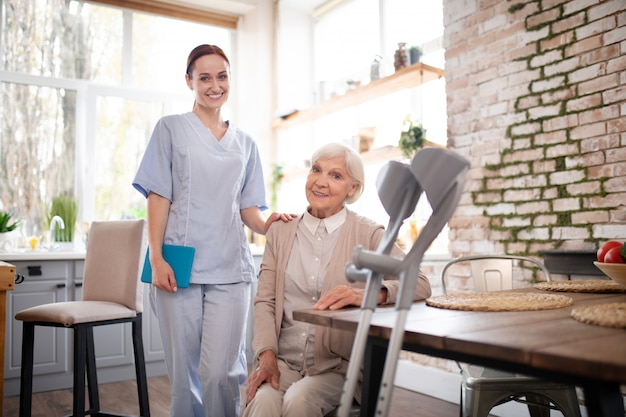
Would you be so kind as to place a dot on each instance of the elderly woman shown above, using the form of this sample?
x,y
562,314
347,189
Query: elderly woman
x,y
300,368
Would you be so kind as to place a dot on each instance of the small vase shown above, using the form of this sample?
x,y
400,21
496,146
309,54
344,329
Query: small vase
x,y
8,241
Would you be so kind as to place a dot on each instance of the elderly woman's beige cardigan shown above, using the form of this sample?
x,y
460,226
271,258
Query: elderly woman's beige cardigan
x,y
332,347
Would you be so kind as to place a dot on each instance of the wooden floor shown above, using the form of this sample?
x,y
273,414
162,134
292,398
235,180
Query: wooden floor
x,y
122,398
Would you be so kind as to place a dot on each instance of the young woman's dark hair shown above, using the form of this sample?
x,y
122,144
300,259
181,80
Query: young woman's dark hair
x,y
202,50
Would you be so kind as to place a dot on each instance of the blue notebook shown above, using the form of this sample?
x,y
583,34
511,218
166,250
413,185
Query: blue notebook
x,y
180,259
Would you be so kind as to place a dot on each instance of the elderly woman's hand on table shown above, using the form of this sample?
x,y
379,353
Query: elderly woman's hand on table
x,y
343,296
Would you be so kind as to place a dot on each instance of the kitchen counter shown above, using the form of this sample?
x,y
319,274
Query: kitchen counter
x,y
41,255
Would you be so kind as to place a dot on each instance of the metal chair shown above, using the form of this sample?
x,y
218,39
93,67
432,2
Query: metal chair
x,y
484,388
439,174
112,294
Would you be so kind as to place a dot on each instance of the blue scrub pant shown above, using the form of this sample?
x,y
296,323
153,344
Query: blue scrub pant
x,y
203,329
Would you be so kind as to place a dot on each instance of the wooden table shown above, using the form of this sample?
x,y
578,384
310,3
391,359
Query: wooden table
x,y
7,283
546,343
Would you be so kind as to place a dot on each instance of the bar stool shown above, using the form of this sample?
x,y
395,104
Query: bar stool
x,y
112,294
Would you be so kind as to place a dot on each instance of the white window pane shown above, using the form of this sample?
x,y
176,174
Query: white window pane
x,y
122,133
37,144
161,46
55,38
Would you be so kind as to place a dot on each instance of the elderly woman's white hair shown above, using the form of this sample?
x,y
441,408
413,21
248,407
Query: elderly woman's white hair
x,y
354,164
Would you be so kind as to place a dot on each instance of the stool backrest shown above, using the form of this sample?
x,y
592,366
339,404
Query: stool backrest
x,y
113,263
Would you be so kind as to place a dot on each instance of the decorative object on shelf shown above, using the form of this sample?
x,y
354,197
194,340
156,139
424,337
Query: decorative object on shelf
x,y
400,58
375,68
412,137
66,208
8,232
366,138
415,53
352,84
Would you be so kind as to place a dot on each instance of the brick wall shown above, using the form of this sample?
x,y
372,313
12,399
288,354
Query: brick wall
x,y
537,102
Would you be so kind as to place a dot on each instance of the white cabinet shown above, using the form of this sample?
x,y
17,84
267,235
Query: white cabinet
x,y
50,281
44,282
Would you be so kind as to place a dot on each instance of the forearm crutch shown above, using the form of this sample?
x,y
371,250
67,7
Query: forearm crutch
x,y
395,179
440,174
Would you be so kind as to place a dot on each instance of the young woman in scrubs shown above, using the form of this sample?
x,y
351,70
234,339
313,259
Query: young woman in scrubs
x,y
203,181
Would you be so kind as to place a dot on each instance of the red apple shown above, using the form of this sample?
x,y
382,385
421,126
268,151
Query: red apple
x,y
606,247
614,256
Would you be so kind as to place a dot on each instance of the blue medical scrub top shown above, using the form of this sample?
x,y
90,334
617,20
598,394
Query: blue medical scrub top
x,y
208,182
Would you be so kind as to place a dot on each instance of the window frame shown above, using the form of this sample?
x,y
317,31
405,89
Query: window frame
x,y
176,11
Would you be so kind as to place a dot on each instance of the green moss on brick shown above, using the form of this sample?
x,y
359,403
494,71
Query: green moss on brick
x,y
564,219
516,7
560,163
561,191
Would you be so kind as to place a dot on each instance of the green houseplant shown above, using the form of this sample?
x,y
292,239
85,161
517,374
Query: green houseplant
x,y
6,225
412,138
8,233
66,208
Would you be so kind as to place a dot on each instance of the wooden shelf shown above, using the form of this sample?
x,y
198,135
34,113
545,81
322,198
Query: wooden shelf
x,y
409,77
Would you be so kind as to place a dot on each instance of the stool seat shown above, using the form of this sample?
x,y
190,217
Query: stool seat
x,y
69,313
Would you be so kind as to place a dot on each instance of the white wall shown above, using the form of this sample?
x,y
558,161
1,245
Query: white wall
x,y
263,63
252,72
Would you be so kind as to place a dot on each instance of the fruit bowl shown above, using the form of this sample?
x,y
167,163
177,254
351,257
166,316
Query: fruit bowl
x,y
617,272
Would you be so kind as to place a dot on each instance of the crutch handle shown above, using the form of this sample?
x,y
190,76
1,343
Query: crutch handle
x,y
382,263
353,274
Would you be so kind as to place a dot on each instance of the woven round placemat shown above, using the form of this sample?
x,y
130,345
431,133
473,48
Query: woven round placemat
x,y
499,301
607,315
591,285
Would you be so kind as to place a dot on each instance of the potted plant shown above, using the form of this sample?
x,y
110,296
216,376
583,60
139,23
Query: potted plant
x,y
66,208
415,53
412,138
8,233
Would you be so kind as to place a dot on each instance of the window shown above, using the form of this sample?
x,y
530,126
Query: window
x,y
62,39
82,87
37,147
